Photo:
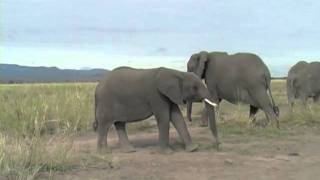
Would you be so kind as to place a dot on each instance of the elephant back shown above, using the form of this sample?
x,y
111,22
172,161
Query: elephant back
x,y
298,68
250,67
298,72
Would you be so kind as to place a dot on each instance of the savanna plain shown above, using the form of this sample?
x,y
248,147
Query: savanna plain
x,y
46,133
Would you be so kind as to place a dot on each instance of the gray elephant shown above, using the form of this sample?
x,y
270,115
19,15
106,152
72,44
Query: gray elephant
x,y
303,82
241,77
128,95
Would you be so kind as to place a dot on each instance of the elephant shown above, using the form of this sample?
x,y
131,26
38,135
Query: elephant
x,y
127,95
240,77
303,82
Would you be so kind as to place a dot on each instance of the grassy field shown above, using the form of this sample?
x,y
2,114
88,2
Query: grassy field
x,y
38,123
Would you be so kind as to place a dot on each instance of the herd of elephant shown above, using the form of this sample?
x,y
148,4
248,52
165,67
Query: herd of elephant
x,y
128,95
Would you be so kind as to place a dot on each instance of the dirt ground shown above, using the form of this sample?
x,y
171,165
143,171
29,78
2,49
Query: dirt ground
x,y
293,157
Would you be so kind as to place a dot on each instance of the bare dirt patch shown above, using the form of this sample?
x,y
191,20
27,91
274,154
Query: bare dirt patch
x,y
241,157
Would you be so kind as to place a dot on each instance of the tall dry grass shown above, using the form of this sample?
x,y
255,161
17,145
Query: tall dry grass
x,y
38,123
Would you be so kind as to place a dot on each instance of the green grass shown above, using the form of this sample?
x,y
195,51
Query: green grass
x,y
39,121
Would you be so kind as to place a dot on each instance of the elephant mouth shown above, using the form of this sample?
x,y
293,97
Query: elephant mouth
x,y
192,99
200,100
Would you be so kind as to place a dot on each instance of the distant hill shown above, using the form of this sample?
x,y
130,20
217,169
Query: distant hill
x,y
11,73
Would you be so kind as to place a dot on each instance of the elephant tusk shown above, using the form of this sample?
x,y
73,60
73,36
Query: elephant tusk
x,y
210,102
204,83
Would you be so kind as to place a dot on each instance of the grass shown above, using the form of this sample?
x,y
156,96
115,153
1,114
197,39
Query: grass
x,y
46,108
38,123
234,119
22,159
33,115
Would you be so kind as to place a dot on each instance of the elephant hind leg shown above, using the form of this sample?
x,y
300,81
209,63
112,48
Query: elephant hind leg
x,y
262,100
162,115
104,124
103,129
253,112
123,137
291,93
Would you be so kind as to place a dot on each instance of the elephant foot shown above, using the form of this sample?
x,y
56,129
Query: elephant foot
x,y
192,147
166,150
128,149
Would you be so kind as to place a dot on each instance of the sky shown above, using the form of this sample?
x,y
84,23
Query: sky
x,y
152,33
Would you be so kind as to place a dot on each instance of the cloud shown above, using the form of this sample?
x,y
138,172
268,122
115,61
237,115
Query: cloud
x,y
279,32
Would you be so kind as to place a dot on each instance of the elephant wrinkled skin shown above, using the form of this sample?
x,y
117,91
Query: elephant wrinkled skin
x,y
303,82
241,77
128,95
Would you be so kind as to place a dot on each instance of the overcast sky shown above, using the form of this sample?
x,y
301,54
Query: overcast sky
x,y
151,33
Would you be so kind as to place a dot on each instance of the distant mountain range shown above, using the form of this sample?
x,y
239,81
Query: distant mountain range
x,y
11,73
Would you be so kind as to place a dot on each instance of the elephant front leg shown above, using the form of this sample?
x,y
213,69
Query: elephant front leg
x,y
163,122
178,122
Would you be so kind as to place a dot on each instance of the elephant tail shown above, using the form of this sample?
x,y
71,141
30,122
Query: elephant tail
x,y
274,107
272,100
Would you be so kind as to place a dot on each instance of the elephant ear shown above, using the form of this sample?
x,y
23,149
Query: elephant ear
x,y
192,63
169,84
202,62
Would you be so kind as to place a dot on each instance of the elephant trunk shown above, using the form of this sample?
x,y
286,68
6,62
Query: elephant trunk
x,y
212,120
189,110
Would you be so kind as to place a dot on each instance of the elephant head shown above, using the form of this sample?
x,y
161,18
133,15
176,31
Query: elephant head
x,y
197,63
181,87
186,87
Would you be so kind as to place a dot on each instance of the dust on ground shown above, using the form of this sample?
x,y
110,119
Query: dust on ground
x,y
294,157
